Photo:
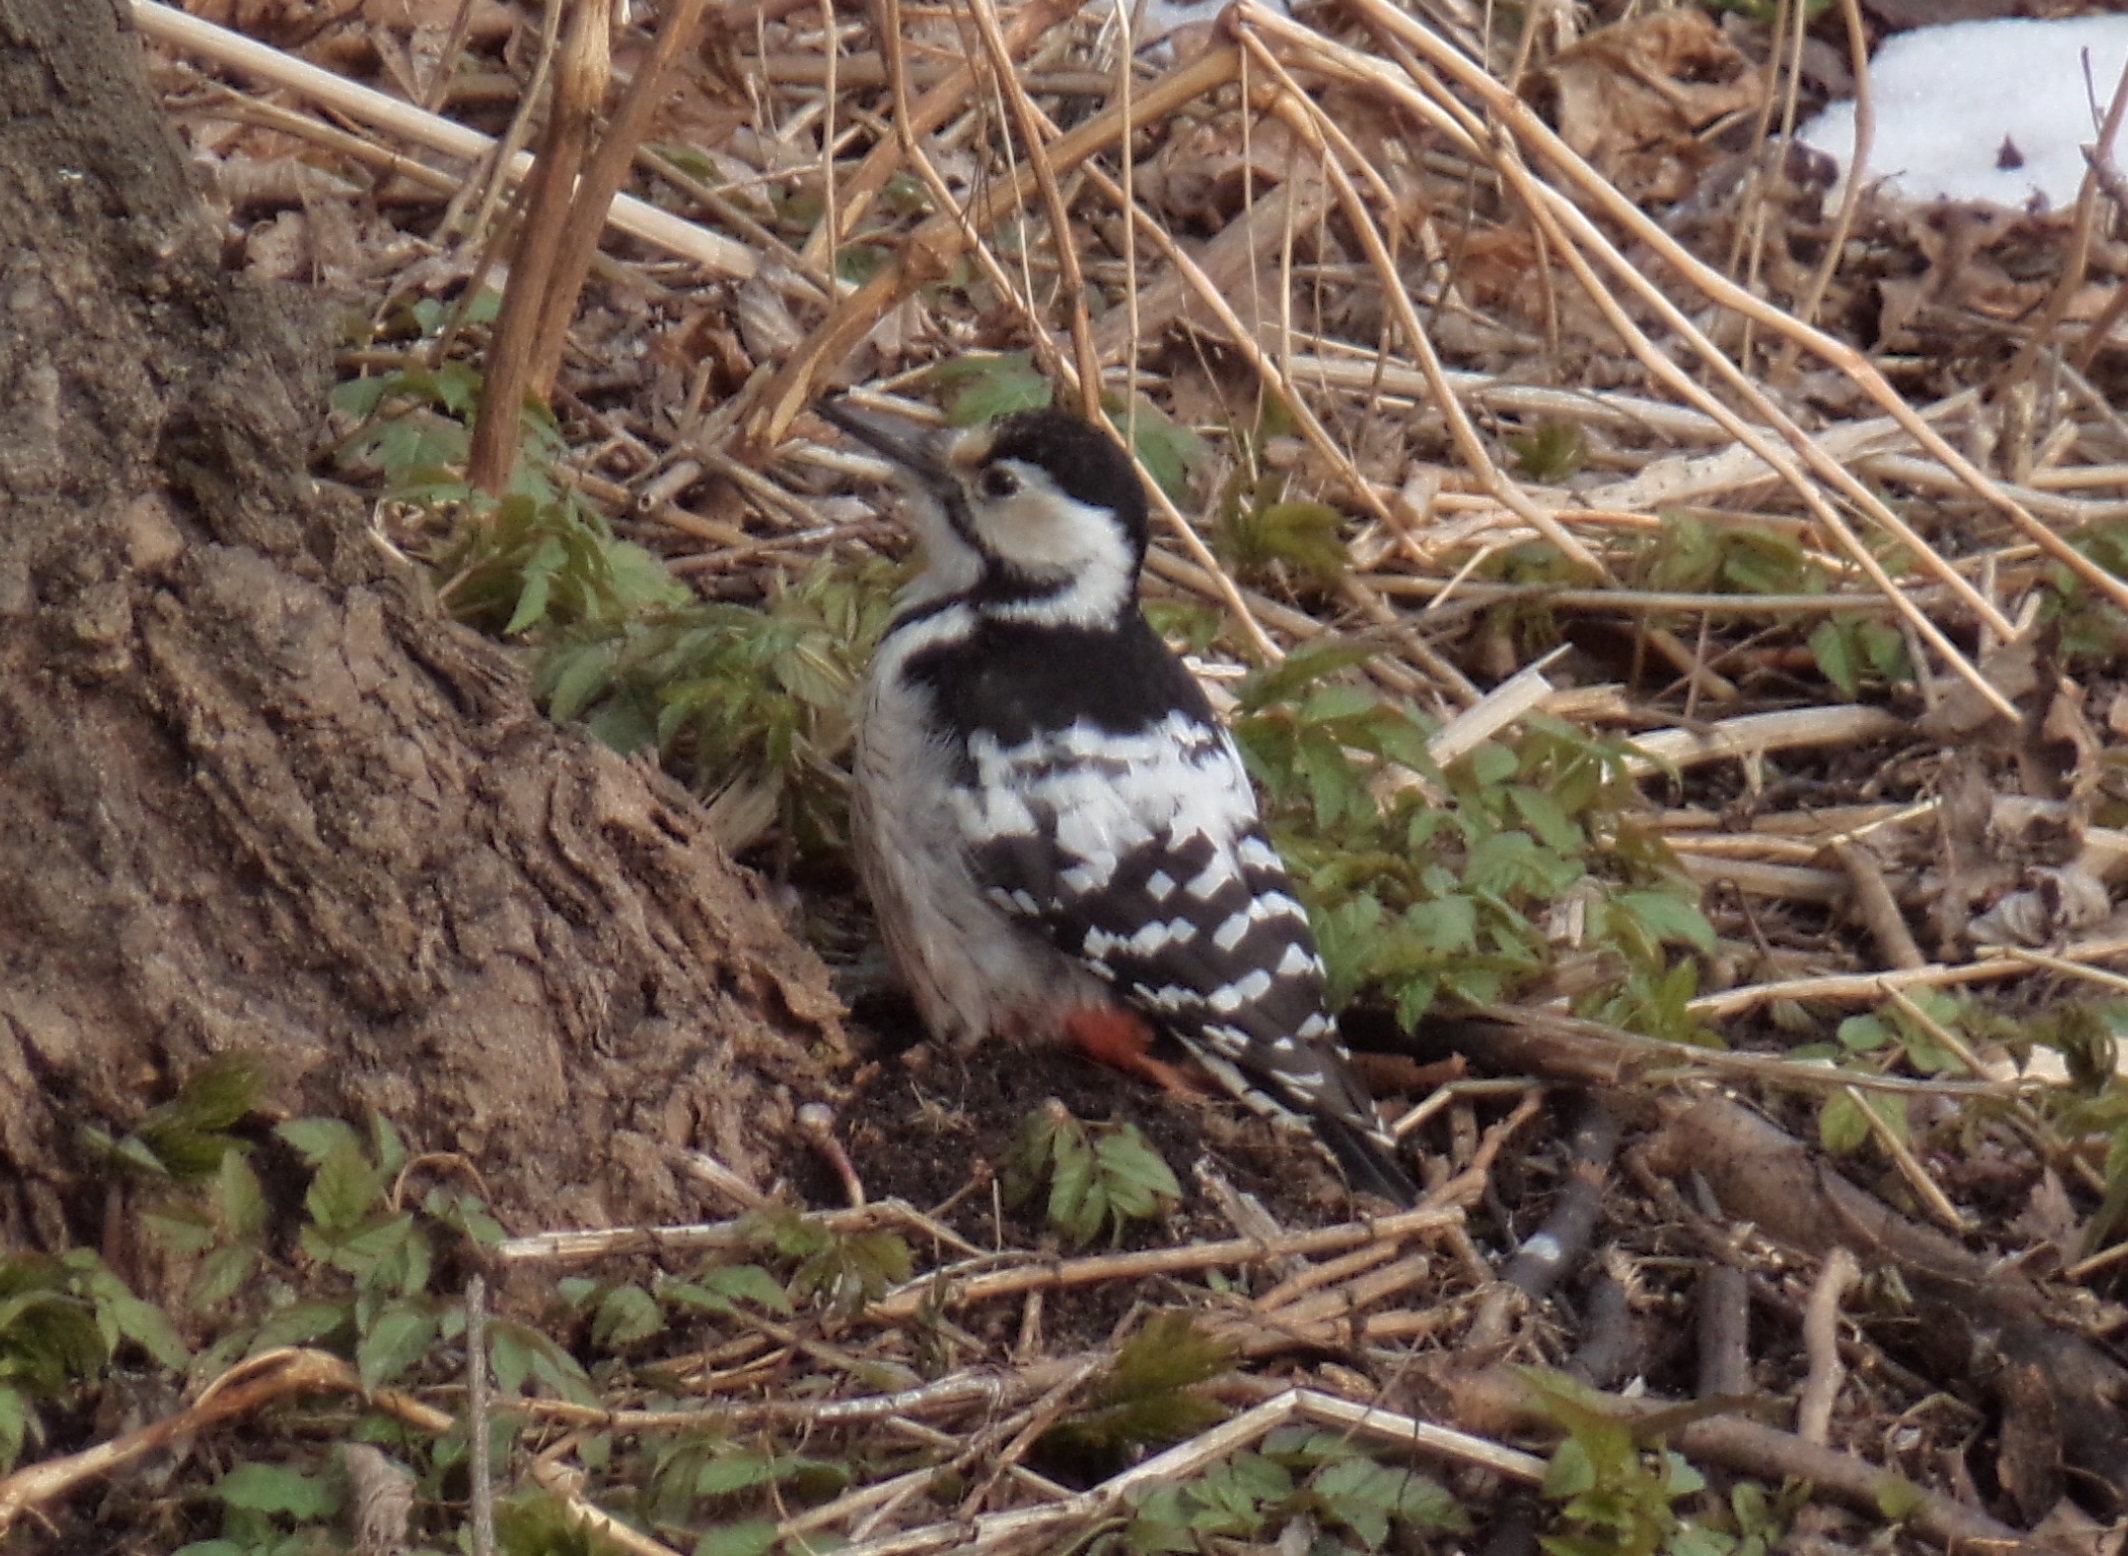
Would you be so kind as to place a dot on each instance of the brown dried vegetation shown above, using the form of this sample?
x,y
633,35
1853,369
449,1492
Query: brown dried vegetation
x,y
1823,502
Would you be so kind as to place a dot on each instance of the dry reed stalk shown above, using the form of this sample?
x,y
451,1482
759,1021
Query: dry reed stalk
x,y
1526,129
1307,119
1571,232
168,25
929,250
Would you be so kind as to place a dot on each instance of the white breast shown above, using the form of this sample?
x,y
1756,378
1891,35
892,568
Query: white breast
x,y
972,971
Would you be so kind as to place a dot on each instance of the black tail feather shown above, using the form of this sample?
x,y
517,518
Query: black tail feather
x,y
1369,1162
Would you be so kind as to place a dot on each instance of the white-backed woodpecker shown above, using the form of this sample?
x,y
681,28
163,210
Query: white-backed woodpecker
x,y
1052,824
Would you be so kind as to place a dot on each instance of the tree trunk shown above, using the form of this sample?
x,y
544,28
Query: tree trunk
x,y
256,794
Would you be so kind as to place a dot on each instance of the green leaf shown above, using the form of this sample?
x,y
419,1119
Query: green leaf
x,y
1160,1523
1890,1110
1679,1478
736,1472
853,1268
580,673
977,389
638,581
627,1314
343,1189
1140,1184
221,1275
1833,646
183,1228
186,1134
1898,1498
275,1488
521,1354
386,1146
466,1214
749,1537
218,1095
1232,1496
1668,919
1166,449
359,396
48,1338
146,1326
1335,702
1146,1400
721,1290
1884,647
385,1252
857,263
17,1423
1310,663
1571,1472
1099,1176
1551,454
1545,816
1260,530
1863,1034
1336,788
540,1523
238,1198
1844,1119
546,561
1693,1540
1446,926
400,1337
314,1139
302,1323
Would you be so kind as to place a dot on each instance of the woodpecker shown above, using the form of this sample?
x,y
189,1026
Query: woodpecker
x,y
1056,832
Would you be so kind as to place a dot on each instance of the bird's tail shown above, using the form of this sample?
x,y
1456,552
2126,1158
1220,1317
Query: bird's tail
x,y
1368,1158
1334,1106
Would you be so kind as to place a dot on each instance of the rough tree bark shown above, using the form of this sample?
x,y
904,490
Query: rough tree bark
x,y
256,794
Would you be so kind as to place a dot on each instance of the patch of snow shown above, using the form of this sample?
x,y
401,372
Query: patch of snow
x,y
1996,110
1153,20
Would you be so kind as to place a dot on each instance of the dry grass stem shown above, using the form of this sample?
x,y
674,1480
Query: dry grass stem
x,y
1803,517
630,215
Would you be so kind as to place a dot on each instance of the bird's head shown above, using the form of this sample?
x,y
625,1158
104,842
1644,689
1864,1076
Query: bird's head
x,y
1039,516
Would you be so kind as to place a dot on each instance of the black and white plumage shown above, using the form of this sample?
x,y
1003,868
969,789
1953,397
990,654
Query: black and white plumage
x,y
1050,818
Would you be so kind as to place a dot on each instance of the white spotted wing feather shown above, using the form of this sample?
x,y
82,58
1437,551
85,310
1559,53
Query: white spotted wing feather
x,y
1142,855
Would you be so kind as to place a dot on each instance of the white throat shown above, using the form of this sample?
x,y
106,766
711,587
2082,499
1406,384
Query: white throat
x,y
1094,596
950,565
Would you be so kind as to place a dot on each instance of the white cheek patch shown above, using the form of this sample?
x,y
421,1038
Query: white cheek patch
x,y
1085,564
1039,529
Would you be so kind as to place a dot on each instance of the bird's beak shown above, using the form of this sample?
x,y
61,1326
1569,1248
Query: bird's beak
x,y
919,451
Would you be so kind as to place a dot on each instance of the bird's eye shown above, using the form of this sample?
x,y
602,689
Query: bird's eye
x,y
998,481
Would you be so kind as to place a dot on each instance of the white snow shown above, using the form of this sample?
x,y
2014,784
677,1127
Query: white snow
x,y
1995,111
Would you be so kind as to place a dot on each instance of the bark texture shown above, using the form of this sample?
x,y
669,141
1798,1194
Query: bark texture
x,y
256,794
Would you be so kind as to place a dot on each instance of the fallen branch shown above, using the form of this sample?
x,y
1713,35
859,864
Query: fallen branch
x,y
244,1390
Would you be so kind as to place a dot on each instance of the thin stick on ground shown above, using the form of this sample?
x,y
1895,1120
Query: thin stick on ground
x,y
478,1468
